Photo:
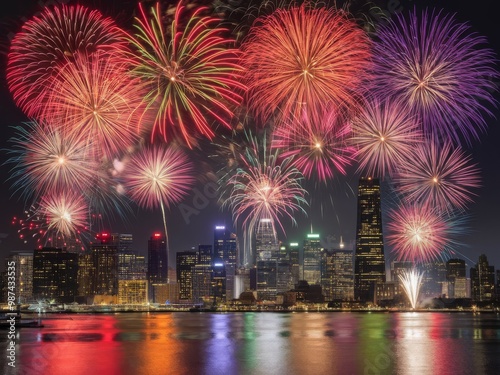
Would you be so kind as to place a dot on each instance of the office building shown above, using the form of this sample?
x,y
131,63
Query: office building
x,y
482,278
55,273
456,276
23,265
312,259
185,262
157,263
105,266
337,275
369,259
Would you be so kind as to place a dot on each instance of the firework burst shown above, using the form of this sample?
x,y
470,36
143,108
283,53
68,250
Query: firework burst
x,y
66,213
94,95
192,72
440,69
301,58
411,281
384,135
420,233
318,147
443,177
45,160
264,189
49,40
157,176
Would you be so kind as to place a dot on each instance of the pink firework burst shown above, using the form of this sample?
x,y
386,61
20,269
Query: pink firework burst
x,y
158,175
66,213
302,58
418,233
93,95
46,160
443,177
318,147
384,134
46,42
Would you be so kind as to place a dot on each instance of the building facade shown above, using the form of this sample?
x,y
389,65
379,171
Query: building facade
x,y
369,260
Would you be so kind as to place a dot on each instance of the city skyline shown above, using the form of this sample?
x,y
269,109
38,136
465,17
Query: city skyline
x,y
332,208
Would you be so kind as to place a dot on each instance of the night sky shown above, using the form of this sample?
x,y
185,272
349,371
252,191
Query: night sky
x,y
332,212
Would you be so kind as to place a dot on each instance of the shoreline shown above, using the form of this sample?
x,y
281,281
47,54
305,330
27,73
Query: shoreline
x,y
275,311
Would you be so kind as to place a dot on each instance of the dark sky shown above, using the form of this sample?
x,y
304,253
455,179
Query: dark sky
x,y
333,207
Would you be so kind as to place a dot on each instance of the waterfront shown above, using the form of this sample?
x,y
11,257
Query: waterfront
x,y
260,344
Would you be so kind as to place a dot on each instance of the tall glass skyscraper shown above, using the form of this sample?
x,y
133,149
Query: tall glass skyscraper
x,y
369,260
157,262
312,259
267,251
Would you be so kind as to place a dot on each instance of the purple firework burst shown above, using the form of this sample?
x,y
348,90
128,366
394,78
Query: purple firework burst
x,y
444,72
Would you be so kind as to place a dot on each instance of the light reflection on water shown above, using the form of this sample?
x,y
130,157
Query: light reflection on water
x,y
260,343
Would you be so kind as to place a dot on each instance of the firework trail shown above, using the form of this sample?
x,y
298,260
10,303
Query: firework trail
x,y
411,281
443,177
94,95
192,73
385,135
158,176
440,69
46,42
300,59
318,147
421,233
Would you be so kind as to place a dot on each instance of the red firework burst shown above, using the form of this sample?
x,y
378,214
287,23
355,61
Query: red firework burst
x,y
94,95
418,233
47,41
156,176
318,147
301,58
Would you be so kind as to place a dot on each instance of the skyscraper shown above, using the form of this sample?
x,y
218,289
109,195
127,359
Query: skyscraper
x,y
55,274
337,275
369,260
202,275
312,259
185,262
456,276
226,250
23,276
105,262
482,280
267,250
157,263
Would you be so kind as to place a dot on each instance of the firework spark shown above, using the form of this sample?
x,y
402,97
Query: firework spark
x,y
420,233
46,160
301,58
411,281
47,41
193,74
318,147
441,70
440,176
384,135
95,96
